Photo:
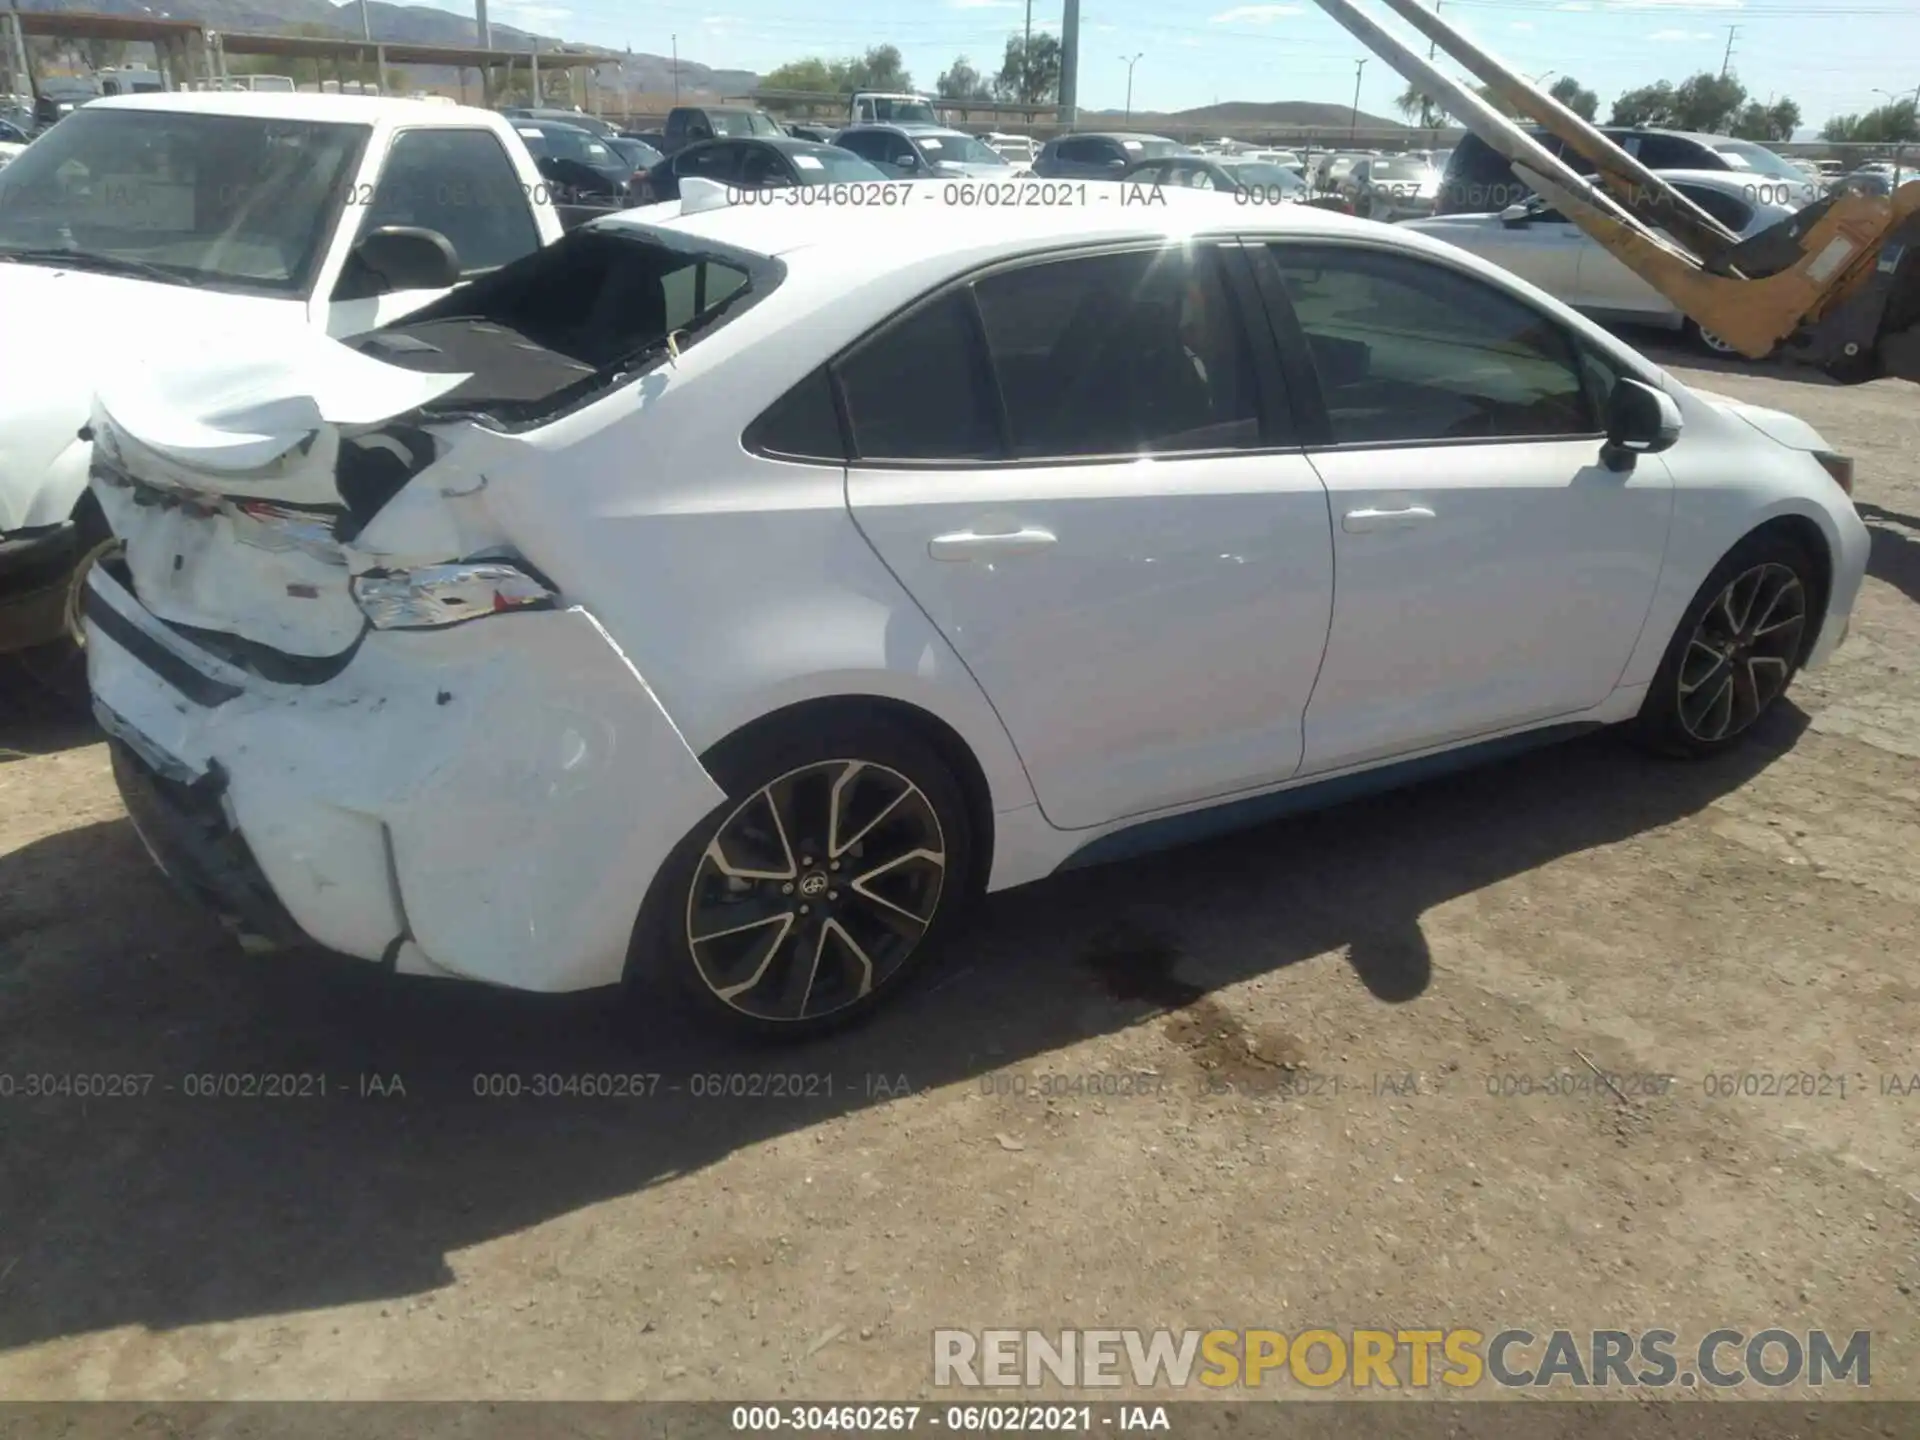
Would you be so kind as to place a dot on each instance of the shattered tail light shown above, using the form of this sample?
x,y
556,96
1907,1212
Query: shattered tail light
x,y
436,595
1840,467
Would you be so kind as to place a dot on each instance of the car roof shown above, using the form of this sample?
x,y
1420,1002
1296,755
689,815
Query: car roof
x,y
279,105
1109,135
934,222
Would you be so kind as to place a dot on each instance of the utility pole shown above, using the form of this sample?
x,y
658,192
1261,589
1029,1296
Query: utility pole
x,y
1130,63
1726,60
676,70
366,22
1070,63
480,22
1353,121
1427,116
1026,58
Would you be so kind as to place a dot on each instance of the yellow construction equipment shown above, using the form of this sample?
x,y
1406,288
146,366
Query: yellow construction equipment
x,y
1836,285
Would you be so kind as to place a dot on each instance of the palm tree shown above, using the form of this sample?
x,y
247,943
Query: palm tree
x,y
1413,104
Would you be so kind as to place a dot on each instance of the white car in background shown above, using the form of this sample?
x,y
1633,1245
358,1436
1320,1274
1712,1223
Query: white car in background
x,y
8,150
1014,149
725,595
205,214
1540,245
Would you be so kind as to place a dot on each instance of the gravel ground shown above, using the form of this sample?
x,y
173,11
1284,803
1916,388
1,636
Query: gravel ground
x,y
1311,1020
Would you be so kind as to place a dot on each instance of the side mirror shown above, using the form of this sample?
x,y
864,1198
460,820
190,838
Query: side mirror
x,y
407,257
1516,217
1641,420
1118,166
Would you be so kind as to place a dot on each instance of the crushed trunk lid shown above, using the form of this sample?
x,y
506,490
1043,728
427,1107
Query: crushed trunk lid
x,y
220,474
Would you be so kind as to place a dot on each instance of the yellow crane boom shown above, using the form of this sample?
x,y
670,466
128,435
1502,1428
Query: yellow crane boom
x,y
1836,285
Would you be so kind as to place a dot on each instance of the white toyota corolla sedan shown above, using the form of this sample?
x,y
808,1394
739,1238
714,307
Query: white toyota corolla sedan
x,y
725,594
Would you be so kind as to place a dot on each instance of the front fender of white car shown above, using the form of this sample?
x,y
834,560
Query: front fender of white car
x,y
1732,475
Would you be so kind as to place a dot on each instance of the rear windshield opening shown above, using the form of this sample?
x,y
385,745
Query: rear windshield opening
x,y
550,332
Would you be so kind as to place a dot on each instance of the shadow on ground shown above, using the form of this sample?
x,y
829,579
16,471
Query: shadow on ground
x,y
164,1210
33,721
1895,557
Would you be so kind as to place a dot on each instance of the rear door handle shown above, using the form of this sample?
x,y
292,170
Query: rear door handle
x,y
1359,521
968,545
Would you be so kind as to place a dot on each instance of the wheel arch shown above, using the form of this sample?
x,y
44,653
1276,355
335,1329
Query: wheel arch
x,y
827,711
1806,535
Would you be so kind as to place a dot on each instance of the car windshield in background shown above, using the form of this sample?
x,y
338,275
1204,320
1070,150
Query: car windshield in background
x,y
1417,170
1742,155
1259,175
741,122
960,149
564,142
636,153
830,165
904,112
226,201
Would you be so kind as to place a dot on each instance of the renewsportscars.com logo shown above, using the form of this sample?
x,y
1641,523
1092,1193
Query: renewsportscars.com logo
x,y
1397,1359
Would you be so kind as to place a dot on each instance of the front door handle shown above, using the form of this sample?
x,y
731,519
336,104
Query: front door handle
x,y
968,545
1358,521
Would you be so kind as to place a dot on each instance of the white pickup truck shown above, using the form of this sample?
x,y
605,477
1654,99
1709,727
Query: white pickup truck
x,y
153,225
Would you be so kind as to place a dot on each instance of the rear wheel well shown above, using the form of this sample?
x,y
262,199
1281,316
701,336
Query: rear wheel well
x,y
839,710
1806,537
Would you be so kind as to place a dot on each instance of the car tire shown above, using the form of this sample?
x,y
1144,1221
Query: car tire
x,y
1736,650
1711,343
60,666
845,841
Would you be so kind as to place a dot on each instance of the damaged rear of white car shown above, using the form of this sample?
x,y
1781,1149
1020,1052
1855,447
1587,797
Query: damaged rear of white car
x,y
345,703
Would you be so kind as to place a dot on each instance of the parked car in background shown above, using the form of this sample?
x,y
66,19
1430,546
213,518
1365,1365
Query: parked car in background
x,y
736,591
207,215
60,96
1015,149
1100,155
1331,168
1257,179
1540,245
690,124
1875,177
885,107
592,124
579,166
761,163
655,138
913,152
819,134
9,150
1479,179
637,154
1391,187
1289,158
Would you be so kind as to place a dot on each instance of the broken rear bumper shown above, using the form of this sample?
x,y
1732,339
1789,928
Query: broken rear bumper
x,y
489,801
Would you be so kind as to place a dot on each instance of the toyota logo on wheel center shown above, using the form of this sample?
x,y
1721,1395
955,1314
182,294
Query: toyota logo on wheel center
x,y
814,884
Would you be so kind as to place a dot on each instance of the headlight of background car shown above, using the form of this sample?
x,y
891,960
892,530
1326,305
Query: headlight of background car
x,y
436,595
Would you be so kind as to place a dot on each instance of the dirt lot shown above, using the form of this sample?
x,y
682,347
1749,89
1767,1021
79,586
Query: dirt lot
x,y
1754,916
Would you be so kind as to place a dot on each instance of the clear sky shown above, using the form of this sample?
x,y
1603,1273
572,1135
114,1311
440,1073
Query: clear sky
x,y
1829,55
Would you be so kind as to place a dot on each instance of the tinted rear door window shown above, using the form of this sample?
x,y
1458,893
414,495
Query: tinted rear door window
x,y
918,390
1119,354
